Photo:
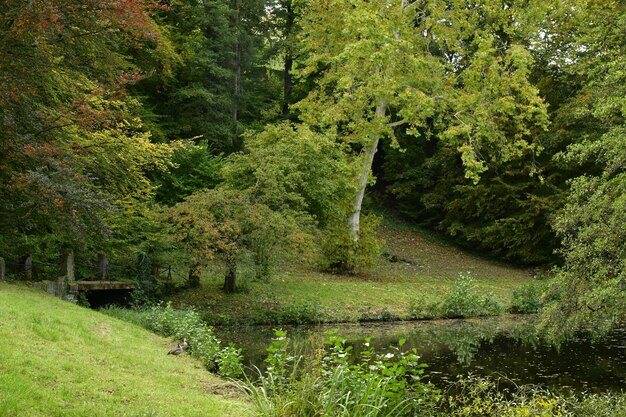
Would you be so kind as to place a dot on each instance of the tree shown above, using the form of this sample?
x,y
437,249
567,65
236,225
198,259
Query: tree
x,y
73,153
224,223
218,85
454,66
291,168
589,287
194,169
294,171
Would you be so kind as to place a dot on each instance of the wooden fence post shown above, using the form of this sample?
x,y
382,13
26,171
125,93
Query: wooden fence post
x,y
103,266
3,268
28,267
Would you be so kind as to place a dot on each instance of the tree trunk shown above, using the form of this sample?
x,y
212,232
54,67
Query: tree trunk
x,y
237,70
103,266
193,279
2,269
231,275
287,86
368,158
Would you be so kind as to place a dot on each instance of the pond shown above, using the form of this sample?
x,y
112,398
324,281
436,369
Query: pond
x,y
502,347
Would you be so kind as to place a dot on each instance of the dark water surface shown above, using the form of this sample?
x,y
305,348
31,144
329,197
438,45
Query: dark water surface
x,y
502,347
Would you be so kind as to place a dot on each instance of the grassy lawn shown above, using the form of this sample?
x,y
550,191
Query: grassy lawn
x,y
59,359
415,265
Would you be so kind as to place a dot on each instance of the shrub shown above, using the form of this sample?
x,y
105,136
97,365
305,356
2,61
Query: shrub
x,y
527,299
420,309
482,397
378,314
463,301
229,362
341,255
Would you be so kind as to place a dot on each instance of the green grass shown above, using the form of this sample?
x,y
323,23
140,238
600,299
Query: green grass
x,y
424,267
59,359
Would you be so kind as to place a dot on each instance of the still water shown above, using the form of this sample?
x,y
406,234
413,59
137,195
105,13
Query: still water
x,y
501,347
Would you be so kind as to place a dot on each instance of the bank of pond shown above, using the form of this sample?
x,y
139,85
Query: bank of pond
x,y
505,347
471,367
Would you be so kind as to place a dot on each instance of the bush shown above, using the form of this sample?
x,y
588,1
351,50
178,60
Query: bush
x,y
420,309
463,301
527,299
341,255
229,362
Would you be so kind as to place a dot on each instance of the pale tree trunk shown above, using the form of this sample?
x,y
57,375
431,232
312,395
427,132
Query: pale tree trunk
x,y
237,81
368,158
287,80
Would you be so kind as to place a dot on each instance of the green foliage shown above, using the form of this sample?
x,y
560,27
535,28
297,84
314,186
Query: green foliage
x,y
592,224
527,299
229,362
224,223
481,397
290,167
294,171
194,169
475,396
463,301
342,255
75,155
376,385
186,324
380,314
218,84
506,214
421,309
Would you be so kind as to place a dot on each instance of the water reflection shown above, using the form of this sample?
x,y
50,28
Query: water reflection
x,y
495,346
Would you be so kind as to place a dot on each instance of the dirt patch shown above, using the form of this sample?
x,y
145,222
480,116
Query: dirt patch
x,y
102,330
227,390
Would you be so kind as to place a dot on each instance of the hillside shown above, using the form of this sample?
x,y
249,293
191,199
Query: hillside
x,y
60,359
414,266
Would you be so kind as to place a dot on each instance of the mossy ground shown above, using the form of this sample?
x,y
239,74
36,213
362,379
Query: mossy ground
x,y
59,359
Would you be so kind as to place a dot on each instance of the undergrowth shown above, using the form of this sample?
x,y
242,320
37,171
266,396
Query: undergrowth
x,y
477,396
460,302
527,299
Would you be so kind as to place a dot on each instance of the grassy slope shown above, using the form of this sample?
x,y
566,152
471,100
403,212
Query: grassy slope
x,y
431,270
59,359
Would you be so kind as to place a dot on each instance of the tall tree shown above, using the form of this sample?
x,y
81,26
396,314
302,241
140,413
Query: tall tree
x,y
218,86
450,65
72,149
589,287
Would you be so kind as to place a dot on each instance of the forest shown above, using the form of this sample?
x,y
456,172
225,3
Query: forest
x,y
257,161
